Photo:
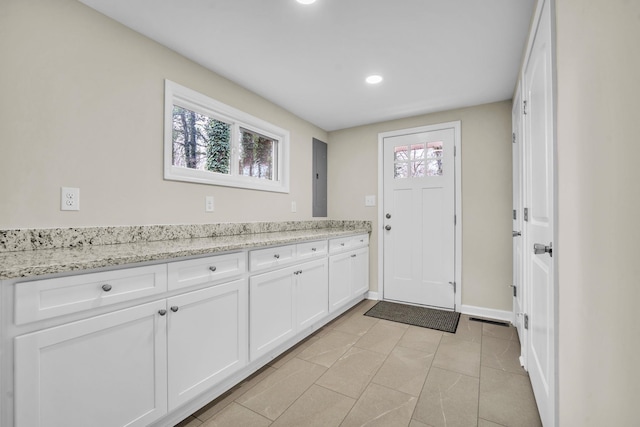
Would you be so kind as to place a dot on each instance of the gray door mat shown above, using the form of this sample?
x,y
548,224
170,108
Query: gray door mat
x,y
424,317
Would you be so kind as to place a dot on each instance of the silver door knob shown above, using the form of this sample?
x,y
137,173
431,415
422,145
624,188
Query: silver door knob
x,y
539,248
106,287
387,227
388,216
516,233
276,256
213,268
174,308
162,312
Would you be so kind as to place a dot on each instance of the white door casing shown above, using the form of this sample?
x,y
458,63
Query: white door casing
x,y
539,227
420,200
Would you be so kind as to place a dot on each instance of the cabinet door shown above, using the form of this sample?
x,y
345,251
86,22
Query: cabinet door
x,y
339,280
271,305
207,338
109,370
312,292
359,272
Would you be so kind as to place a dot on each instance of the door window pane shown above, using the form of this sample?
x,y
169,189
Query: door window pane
x,y
434,167
401,153
434,150
401,170
417,151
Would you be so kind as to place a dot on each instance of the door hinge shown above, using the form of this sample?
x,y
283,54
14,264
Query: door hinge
x,y
455,151
524,110
515,291
455,220
513,137
526,321
515,214
526,214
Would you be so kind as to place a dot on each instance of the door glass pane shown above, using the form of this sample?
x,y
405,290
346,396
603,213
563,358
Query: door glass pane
x,y
434,150
434,167
401,170
417,151
417,169
401,153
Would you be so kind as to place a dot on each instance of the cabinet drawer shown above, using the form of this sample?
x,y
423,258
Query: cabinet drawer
x,y
347,243
194,272
262,259
311,249
44,299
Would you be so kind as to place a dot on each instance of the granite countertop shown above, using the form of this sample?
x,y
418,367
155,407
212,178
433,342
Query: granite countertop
x,y
28,263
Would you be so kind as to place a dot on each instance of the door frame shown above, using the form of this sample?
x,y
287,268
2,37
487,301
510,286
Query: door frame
x,y
457,141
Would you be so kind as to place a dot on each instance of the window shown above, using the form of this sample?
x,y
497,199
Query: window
x,y
416,162
209,142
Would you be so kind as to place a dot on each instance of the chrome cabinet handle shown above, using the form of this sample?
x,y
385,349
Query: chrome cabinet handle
x,y
516,233
212,268
539,248
162,312
341,244
353,256
387,227
276,256
313,249
106,287
174,308
388,216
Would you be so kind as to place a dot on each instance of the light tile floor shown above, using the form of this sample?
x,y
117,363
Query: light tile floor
x,y
359,371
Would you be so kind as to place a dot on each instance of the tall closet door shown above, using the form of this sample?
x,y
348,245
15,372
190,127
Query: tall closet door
x,y
539,265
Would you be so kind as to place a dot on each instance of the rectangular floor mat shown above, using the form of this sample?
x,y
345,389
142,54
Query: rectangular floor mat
x,y
431,318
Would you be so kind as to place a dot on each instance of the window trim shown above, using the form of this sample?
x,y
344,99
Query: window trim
x,y
176,94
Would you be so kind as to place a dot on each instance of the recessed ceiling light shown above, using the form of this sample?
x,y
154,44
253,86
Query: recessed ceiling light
x,y
306,1
374,79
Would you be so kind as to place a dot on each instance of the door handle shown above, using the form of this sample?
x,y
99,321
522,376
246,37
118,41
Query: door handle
x,y
387,227
539,248
516,233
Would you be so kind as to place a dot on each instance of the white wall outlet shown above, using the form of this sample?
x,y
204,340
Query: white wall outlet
x,y
209,205
369,200
69,199
294,207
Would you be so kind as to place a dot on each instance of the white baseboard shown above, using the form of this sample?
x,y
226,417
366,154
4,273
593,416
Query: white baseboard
x,y
372,295
488,313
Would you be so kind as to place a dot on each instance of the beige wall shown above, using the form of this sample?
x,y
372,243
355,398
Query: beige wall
x,y
486,193
598,66
82,106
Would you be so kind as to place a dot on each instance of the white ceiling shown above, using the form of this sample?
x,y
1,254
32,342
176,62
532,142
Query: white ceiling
x,y
312,60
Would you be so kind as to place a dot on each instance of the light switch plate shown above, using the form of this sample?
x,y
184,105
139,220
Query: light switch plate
x,y
209,205
369,200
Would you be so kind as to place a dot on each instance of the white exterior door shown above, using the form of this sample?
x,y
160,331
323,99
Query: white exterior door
x,y
419,214
539,226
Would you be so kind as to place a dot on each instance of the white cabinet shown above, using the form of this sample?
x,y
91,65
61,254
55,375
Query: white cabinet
x,y
109,370
285,301
146,345
207,338
348,270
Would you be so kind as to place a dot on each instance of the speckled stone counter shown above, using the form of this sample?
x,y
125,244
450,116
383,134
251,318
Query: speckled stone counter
x,y
34,252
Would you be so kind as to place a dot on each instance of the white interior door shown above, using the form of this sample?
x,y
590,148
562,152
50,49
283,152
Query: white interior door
x,y
519,291
539,191
419,215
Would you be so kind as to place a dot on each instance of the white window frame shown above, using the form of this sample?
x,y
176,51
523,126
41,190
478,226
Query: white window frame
x,y
176,94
